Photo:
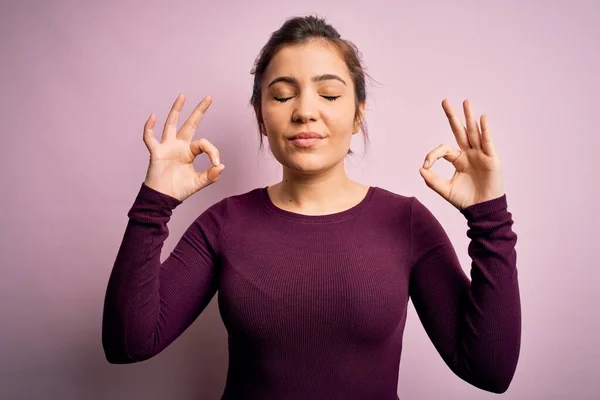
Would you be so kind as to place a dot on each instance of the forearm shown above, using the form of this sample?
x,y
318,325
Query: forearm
x,y
475,324
132,302
490,336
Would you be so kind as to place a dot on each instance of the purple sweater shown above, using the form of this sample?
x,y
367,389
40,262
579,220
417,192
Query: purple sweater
x,y
315,306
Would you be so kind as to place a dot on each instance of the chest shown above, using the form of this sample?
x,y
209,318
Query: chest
x,y
353,286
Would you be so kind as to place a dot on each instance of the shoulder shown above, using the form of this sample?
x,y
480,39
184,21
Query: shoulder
x,y
410,203
390,206
388,195
406,207
385,198
237,205
218,215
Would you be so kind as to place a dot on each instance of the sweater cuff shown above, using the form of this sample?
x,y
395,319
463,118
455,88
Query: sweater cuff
x,y
154,196
486,207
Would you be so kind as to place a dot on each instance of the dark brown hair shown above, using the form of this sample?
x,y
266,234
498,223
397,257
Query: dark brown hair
x,y
298,30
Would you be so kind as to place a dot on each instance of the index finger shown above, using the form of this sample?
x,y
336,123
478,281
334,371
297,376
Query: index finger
x,y
189,127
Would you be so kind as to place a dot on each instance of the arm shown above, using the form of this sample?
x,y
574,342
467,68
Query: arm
x,y
475,325
149,304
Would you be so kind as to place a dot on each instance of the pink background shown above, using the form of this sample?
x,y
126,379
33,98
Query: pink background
x,y
78,81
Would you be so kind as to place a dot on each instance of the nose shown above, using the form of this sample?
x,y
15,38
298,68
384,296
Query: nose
x,y
306,109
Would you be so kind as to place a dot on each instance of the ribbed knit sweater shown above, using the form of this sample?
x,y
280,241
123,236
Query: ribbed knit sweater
x,y
315,305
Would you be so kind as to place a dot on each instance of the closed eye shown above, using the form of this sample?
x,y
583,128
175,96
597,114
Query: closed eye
x,y
284,99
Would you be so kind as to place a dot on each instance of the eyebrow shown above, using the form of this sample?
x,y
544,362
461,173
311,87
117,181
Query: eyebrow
x,y
318,78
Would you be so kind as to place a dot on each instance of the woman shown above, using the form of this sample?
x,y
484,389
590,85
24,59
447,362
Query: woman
x,y
314,273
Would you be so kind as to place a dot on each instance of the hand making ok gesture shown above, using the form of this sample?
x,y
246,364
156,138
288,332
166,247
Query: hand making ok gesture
x,y
171,170
478,175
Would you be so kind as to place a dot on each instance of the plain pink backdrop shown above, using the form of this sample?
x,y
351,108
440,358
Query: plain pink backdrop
x,y
78,82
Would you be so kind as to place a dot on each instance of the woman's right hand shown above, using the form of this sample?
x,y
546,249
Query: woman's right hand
x,y
171,170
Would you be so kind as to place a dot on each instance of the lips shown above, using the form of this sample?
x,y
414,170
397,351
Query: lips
x,y
306,135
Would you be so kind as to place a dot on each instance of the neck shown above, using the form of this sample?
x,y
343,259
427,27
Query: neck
x,y
312,191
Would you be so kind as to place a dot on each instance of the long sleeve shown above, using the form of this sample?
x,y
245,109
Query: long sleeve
x,y
475,324
149,304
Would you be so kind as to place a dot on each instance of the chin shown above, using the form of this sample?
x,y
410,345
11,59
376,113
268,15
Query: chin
x,y
307,163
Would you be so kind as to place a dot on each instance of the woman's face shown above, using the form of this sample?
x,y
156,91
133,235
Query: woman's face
x,y
308,89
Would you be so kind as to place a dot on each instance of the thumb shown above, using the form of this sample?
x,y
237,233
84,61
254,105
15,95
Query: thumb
x,y
435,182
210,176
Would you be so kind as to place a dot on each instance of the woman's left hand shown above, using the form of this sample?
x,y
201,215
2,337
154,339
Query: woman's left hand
x,y
478,175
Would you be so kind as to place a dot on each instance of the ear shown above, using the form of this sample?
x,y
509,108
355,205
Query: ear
x,y
260,122
359,117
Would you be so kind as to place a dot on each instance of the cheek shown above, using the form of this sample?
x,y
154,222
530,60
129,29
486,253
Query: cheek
x,y
340,120
271,117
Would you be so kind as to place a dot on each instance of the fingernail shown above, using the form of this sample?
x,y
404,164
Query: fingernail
x,y
217,161
426,164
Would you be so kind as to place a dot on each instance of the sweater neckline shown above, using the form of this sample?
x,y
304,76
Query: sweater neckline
x,y
356,209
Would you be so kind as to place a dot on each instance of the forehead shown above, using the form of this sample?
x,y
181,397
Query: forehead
x,y
306,60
